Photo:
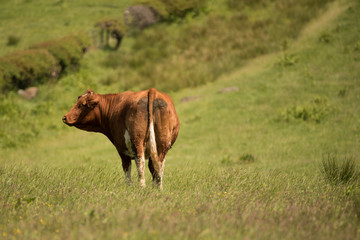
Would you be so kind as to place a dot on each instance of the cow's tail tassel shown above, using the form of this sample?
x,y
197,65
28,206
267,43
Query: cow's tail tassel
x,y
152,140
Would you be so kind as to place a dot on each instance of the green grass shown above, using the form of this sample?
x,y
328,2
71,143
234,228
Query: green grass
x,y
35,21
198,49
68,184
338,171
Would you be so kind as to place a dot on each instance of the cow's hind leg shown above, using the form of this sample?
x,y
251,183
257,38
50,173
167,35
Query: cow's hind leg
x,y
156,174
152,169
140,165
126,164
156,168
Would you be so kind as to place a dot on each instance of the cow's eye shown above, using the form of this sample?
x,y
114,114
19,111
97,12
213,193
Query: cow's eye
x,y
79,97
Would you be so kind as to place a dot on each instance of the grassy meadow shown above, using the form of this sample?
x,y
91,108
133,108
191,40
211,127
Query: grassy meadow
x,y
248,164
32,21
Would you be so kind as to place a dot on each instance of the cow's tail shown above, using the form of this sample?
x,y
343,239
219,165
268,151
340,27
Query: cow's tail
x,y
152,139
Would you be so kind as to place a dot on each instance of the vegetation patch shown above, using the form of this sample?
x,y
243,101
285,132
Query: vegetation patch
x,y
25,68
336,170
13,40
287,60
247,158
40,62
110,28
16,133
199,51
67,50
69,184
316,111
243,159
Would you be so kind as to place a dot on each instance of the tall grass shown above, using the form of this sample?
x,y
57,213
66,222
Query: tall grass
x,y
69,184
336,170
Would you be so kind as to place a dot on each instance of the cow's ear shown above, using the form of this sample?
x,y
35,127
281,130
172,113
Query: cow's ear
x,y
91,92
92,100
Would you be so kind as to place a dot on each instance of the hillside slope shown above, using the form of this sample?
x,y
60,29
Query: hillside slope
x,y
246,163
35,21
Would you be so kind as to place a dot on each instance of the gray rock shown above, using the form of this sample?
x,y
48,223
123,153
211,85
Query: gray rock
x,y
228,89
190,98
140,16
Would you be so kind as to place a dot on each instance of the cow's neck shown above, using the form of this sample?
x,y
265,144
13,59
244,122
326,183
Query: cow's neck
x,y
106,110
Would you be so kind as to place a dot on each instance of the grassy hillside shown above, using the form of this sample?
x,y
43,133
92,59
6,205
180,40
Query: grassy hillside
x,y
172,55
201,47
247,163
34,21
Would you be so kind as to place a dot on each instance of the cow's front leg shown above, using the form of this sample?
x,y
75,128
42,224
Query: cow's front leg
x,y
140,165
126,164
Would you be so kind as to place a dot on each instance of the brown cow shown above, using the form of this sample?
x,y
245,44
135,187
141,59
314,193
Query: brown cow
x,y
140,124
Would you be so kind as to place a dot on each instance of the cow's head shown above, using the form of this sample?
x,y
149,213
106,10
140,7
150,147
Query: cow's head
x,y
83,115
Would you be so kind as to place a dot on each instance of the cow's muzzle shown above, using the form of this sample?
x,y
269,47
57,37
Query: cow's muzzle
x,y
66,120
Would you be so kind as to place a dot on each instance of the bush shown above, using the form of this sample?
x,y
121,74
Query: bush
x,y
13,40
28,67
287,60
247,158
315,111
338,171
24,68
8,71
83,41
113,28
111,24
227,160
243,159
67,50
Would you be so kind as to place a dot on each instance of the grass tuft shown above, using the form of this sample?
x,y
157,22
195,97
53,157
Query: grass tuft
x,y
287,60
243,159
315,111
247,158
13,40
338,171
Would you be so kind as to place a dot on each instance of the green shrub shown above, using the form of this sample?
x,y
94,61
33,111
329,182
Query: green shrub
x,y
83,40
24,68
247,158
337,170
227,160
315,111
28,67
67,50
8,71
287,60
157,5
326,38
111,24
13,40
180,8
